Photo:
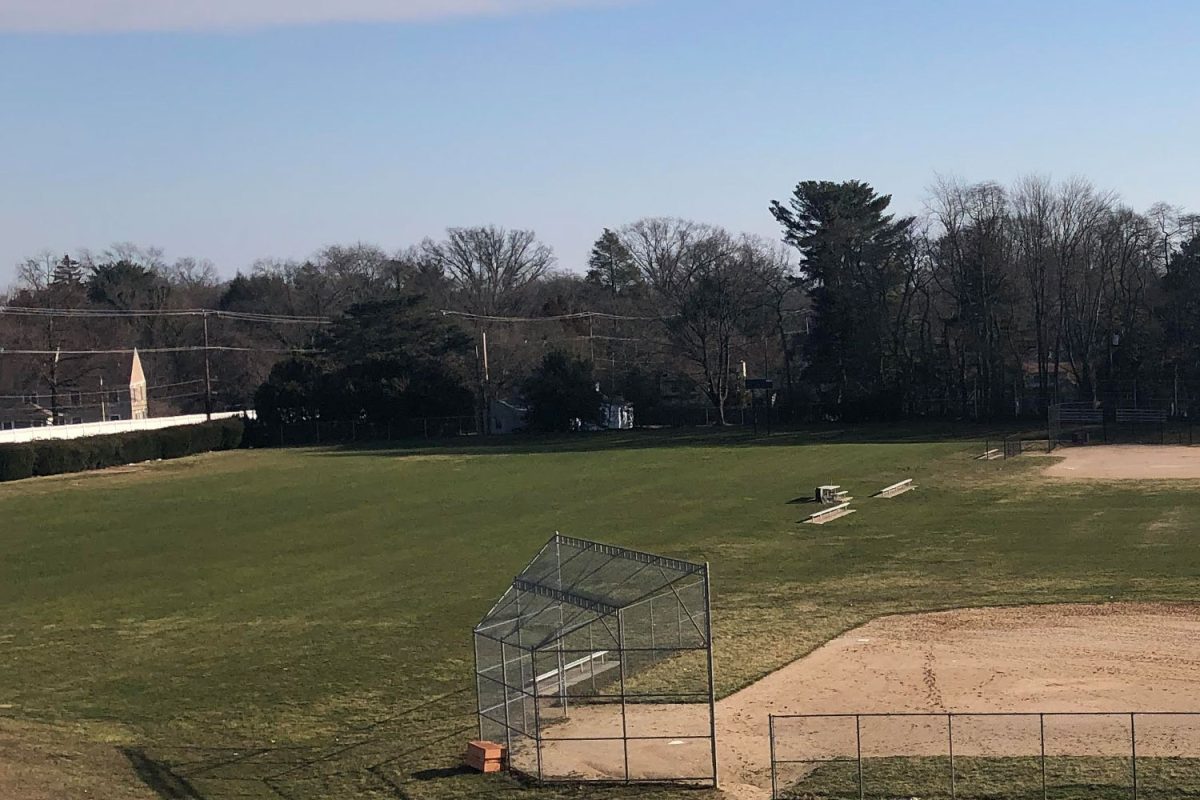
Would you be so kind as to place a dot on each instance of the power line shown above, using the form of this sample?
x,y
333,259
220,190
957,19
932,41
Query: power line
x,y
554,318
99,313
144,350
69,406
65,389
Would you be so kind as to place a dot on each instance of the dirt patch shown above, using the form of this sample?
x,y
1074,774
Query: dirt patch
x,y
46,762
1126,462
1114,658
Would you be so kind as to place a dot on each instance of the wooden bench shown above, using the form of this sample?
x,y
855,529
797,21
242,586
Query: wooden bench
x,y
588,660
554,683
990,454
830,514
896,489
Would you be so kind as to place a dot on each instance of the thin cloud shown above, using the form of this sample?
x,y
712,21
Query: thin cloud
x,y
110,16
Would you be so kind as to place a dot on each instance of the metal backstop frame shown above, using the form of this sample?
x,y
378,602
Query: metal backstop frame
x,y
596,665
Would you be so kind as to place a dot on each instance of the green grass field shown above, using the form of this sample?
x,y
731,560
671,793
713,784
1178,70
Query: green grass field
x,y
296,623
1081,778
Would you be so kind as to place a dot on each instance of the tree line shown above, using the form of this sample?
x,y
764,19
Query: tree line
x,y
993,303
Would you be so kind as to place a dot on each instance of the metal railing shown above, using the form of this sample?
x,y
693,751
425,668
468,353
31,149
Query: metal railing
x,y
987,754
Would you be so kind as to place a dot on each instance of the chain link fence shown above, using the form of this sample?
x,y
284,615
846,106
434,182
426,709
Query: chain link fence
x,y
953,756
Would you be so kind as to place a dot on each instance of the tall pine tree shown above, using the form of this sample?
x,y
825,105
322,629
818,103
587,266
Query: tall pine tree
x,y
850,251
67,272
610,265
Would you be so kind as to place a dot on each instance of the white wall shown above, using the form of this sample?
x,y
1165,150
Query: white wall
x,y
115,426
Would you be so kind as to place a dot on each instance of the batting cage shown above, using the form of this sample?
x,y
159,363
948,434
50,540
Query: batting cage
x,y
596,664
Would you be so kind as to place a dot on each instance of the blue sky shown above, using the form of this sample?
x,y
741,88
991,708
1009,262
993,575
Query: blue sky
x,y
239,137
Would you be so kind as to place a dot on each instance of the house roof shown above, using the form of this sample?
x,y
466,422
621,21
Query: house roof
x,y
13,409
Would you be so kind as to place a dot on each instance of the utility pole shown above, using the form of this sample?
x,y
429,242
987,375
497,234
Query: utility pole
x,y
592,344
484,379
207,374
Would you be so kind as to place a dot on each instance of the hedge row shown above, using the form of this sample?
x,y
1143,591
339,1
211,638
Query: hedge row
x,y
56,456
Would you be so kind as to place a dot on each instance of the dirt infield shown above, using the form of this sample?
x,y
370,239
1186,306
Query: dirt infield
x,y
1126,462
1120,657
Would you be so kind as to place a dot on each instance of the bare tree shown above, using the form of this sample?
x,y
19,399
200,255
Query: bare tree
x,y
489,267
192,273
37,272
665,250
1079,210
712,289
973,269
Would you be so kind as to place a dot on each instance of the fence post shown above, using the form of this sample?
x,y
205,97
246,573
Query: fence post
x,y
1042,732
712,686
774,779
479,684
621,672
1133,753
858,752
653,646
950,738
537,717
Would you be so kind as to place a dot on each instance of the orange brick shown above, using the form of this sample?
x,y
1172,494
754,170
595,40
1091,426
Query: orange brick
x,y
485,749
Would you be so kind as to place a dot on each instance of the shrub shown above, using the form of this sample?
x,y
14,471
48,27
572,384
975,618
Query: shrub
x,y
175,442
232,434
138,446
57,456
16,462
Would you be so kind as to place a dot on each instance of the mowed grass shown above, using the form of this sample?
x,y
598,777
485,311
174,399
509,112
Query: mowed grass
x,y
297,622
977,778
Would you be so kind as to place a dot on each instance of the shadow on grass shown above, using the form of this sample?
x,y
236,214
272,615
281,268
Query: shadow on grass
x,y
160,777
419,743
443,772
969,434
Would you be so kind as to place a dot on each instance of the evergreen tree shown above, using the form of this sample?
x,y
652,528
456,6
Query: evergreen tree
x,y
610,265
561,390
67,272
850,251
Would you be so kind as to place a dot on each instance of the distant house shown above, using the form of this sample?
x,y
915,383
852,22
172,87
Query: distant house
x,y
106,388
506,417
23,412
616,415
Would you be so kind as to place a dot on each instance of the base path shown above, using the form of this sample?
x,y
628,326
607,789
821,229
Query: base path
x,y
1126,462
1117,657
